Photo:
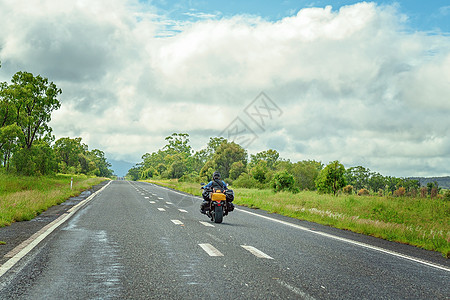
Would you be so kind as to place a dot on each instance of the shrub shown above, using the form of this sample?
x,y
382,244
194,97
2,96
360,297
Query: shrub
x,y
423,192
400,192
434,192
363,192
348,189
191,177
246,181
283,181
447,195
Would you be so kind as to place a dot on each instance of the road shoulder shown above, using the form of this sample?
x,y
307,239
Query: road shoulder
x,y
19,232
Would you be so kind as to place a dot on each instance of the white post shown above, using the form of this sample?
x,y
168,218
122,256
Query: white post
x,y
71,182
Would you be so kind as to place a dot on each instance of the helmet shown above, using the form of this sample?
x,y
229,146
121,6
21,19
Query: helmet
x,y
216,175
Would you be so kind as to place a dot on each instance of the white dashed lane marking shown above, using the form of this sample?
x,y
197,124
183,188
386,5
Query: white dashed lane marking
x,y
182,210
152,202
161,209
207,224
210,250
169,203
177,222
256,252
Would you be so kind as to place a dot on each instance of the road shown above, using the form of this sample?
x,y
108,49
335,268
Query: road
x,y
139,241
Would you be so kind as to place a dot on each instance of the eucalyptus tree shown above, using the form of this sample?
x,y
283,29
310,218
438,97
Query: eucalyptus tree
x,y
331,179
36,99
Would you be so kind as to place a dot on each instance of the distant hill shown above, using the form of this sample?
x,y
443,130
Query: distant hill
x,y
443,182
120,167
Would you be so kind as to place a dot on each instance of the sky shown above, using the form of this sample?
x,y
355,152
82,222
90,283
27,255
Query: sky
x,y
364,83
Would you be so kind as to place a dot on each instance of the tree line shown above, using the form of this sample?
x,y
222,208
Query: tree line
x,y
27,146
265,170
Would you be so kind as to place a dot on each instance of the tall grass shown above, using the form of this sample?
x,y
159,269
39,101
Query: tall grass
x,y
23,198
421,222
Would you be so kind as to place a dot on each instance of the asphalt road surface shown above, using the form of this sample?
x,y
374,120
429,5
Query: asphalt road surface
x,y
140,241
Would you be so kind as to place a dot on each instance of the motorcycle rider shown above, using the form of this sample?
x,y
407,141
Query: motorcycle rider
x,y
215,183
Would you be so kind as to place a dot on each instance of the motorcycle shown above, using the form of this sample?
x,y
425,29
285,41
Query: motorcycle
x,y
220,204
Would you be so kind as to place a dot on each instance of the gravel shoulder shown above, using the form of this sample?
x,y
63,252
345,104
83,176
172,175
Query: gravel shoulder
x,y
18,232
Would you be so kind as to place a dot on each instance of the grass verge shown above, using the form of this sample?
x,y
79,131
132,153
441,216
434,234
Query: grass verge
x,y
23,198
415,221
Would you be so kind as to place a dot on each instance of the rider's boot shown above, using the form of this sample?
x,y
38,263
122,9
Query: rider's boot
x,y
203,207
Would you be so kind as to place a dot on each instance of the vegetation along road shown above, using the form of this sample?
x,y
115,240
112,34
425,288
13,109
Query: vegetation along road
x,y
137,240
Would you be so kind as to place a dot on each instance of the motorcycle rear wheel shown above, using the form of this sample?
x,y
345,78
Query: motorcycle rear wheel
x,y
218,214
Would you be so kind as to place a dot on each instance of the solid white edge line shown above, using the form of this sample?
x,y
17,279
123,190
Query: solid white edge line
x,y
210,250
351,241
256,252
177,222
13,260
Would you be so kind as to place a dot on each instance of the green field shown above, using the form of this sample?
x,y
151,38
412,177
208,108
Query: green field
x,y
421,222
22,198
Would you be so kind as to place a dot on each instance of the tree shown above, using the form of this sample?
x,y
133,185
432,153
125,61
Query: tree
x,y
213,145
331,178
36,101
358,177
391,183
101,164
198,160
261,172
37,160
178,167
8,106
377,182
227,154
305,173
10,136
269,156
178,143
69,153
133,173
237,168
207,170
148,173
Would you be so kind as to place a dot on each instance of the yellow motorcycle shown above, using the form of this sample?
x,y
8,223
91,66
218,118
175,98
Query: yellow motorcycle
x,y
220,204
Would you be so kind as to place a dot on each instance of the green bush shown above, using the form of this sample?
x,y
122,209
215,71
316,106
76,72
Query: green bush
x,y
38,160
191,177
283,181
447,195
246,181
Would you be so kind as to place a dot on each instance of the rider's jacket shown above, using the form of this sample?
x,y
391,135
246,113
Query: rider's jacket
x,y
216,184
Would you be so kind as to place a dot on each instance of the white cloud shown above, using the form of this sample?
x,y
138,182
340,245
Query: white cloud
x,y
352,84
